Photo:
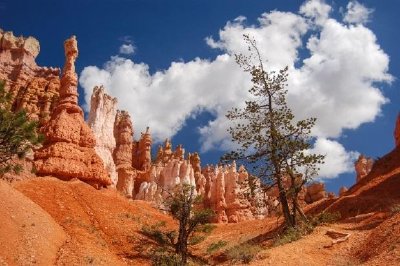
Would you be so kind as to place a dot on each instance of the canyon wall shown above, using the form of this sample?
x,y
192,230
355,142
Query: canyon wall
x,y
34,88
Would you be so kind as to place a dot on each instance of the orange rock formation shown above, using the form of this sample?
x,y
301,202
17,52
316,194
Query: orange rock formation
x,y
68,151
363,166
315,192
33,88
123,132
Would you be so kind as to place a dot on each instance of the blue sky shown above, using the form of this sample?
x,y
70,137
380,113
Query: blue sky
x,y
166,66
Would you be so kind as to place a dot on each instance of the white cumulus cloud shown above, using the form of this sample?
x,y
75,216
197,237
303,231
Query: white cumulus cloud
x,y
127,49
337,159
336,81
357,13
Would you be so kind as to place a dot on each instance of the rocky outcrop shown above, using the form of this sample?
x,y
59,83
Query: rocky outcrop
x,y
103,109
363,166
229,193
68,151
315,192
342,191
34,88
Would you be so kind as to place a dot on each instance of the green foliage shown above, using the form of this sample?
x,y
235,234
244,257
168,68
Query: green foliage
x,y
395,209
270,139
193,224
165,258
17,134
206,228
289,235
160,236
216,246
325,218
243,253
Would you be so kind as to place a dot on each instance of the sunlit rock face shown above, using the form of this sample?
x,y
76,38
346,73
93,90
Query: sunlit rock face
x,y
123,133
34,88
101,119
68,151
228,192
363,166
315,192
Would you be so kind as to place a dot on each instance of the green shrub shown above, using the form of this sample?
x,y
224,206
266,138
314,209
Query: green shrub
x,y
325,218
154,232
216,246
243,253
165,258
206,228
289,235
395,209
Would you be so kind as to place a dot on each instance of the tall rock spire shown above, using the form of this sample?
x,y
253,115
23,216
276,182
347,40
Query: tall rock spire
x,y
68,151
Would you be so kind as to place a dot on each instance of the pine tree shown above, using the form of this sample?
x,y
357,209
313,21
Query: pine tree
x,y
186,207
18,134
271,141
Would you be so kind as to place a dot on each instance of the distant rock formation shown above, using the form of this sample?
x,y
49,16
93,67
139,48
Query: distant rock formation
x,y
315,192
363,166
229,192
123,133
34,88
342,190
68,151
103,109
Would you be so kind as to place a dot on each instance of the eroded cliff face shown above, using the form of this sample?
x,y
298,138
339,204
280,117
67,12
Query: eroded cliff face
x,y
68,151
101,119
34,88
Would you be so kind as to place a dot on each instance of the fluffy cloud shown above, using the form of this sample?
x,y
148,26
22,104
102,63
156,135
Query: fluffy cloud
x,y
357,13
127,49
317,10
335,82
337,159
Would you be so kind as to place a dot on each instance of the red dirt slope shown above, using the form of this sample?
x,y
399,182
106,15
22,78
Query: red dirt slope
x,y
28,234
103,228
378,191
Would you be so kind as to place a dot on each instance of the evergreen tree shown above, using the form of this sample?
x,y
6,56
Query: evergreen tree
x,y
270,139
17,134
188,210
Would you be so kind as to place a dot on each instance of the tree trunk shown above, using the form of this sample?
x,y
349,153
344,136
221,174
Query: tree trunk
x,y
284,202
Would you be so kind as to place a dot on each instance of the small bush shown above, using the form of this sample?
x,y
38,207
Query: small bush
x,y
165,258
289,235
395,209
216,246
243,253
155,233
206,228
325,218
